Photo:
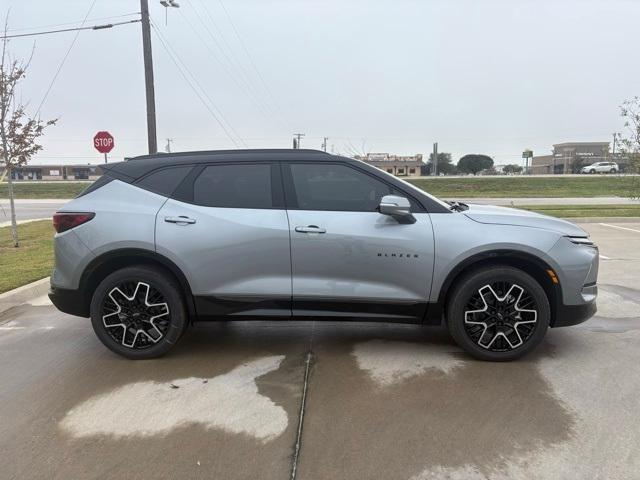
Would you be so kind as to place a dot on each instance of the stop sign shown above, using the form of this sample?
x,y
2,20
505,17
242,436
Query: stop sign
x,y
104,142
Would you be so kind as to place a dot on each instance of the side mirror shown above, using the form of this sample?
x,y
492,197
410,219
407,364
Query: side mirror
x,y
396,207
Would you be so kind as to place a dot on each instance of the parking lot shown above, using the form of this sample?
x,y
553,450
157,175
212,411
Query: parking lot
x,y
382,401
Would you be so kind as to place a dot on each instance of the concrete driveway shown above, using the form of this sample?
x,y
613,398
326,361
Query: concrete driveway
x,y
382,401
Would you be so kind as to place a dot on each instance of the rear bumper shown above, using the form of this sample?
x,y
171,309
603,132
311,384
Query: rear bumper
x,y
568,315
69,301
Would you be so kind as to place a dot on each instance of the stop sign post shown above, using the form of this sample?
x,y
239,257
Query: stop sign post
x,y
103,142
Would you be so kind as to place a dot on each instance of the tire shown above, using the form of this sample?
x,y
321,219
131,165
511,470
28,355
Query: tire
x,y
481,320
592,171
613,170
138,312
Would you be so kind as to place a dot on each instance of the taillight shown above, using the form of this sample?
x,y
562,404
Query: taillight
x,y
63,221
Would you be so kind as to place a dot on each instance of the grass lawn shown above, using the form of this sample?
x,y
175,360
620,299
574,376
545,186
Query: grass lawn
x,y
445,187
575,211
522,186
43,189
32,260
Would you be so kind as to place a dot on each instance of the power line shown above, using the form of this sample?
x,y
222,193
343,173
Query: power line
x,y
181,66
76,29
64,59
235,78
234,62
250,57
56,25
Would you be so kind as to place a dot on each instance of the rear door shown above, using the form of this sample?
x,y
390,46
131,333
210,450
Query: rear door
x,y
348,260
227,230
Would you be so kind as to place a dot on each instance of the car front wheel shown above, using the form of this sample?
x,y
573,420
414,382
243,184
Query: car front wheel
x,y
498,314
138,312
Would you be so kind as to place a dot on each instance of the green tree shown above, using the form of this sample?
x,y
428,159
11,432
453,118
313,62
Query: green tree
x,y
474,163
445,165
512,168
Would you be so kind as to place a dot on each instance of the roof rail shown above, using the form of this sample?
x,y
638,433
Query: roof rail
x,y
226,152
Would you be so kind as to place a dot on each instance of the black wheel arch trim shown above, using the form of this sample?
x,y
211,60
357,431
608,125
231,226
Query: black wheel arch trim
x,y
514,258
107,263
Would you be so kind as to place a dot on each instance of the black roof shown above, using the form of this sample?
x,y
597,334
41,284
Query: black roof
x,y
138,166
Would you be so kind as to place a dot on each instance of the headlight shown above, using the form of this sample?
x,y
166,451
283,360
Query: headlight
x,y
586,241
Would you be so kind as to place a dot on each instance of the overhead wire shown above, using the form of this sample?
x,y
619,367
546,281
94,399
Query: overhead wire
x,y
250,57
211,106
234,78
56,25
232,58
64,59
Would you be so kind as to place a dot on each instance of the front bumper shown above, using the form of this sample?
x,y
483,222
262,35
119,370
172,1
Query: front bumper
x,y
568,315
69,301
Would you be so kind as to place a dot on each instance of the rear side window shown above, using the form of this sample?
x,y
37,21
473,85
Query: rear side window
x,y
164,181
101,182
234,186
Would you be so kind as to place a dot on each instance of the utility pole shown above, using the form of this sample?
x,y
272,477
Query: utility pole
x,y
434,164
324,143
167,148
296,141
613,150
148,78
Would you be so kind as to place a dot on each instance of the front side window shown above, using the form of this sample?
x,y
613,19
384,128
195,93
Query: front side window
x,y
234,186
336,187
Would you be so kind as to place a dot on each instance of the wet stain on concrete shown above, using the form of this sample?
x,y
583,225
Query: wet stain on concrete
x,y
190,450
480,414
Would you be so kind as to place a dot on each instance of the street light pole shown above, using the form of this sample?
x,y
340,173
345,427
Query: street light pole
x,y
148,78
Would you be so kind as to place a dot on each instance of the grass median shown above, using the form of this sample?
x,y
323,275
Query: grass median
x,y
37,190
32,260
523,186
445,187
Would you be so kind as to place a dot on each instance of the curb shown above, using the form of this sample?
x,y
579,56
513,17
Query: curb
x,y
23,294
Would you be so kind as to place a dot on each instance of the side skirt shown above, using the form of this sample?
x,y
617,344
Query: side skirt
x,y
282,308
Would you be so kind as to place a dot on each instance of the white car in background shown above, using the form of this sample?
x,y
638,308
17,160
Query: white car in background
x,y
601,167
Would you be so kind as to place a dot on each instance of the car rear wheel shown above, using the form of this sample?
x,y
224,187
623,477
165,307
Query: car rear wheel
x,y
498,314
613,170
138,312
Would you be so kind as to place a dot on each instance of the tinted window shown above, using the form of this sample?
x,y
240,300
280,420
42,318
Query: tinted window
x,y
164,181
101,182
234,186
336,187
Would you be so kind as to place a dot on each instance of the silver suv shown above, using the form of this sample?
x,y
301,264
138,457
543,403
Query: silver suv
x,y
161,241
601,167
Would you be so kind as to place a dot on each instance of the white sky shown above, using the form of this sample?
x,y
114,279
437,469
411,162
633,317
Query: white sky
x,y
490,76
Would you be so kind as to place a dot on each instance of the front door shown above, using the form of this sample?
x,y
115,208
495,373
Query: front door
x,y
228,232
347,259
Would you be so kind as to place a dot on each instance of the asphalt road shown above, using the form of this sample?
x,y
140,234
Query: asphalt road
x,y
29,209
44,208
382,401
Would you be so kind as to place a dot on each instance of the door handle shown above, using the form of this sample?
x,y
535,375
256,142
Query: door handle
x,y
310,229
180,220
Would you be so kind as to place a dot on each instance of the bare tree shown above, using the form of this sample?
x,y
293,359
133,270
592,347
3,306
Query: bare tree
x,y
629,141
18,132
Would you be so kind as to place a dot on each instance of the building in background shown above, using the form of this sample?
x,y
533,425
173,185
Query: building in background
x,y
570,157
54,172
400,166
